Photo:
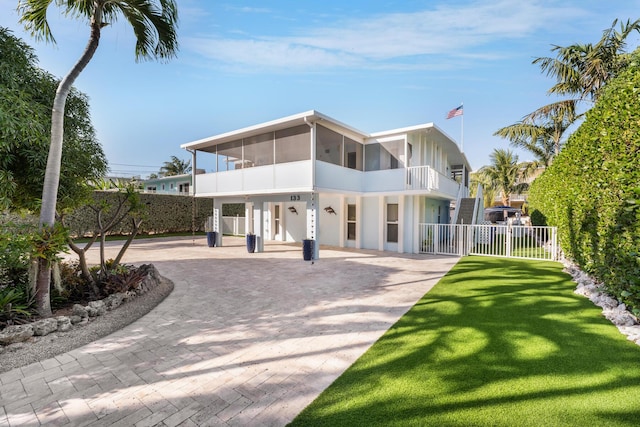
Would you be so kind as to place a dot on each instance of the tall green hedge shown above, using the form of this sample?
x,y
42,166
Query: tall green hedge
x,y
592,190
164,214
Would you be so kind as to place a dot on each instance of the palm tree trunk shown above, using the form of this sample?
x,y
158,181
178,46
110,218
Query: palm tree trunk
x,y
54,159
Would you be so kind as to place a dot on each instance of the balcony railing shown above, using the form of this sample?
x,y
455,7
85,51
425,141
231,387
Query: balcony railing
x,y
427,178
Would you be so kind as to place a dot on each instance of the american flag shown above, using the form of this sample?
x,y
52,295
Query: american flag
x,y
455,112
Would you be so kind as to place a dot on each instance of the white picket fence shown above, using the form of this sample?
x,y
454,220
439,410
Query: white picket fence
x,y
501,240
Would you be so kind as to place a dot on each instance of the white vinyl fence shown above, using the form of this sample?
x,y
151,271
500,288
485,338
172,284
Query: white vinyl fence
x,y
234,225
530,242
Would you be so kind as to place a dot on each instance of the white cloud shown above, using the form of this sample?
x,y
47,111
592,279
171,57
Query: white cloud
x,y
391,40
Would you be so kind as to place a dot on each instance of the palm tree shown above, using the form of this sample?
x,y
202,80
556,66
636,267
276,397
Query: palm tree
x,y
541,132
154,23
175,167
488,188
505,174
583,69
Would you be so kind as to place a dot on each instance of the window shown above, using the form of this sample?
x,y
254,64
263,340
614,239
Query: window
x,y
230,155
352,154
384,155
392,223
351,222
328,146
293,144
258,150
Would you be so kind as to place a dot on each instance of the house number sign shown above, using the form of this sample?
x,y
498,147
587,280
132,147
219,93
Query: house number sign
x,y
295,198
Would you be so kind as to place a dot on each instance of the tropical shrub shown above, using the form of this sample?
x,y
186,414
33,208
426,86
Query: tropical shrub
x,y
14,306
591,192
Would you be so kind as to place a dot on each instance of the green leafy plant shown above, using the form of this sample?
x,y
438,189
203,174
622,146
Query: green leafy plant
x,y
124,278
14,306
73,286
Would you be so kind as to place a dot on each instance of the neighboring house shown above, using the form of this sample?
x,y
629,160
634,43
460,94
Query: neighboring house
x,y
519,200
176,184
310,176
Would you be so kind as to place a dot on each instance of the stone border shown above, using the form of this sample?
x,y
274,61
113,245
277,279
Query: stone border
x,y
612,309
47,338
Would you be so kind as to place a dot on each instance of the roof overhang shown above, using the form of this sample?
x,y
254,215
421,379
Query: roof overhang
x,y
312,116
308,117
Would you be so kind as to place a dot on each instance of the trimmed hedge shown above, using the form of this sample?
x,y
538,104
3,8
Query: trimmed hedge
x,y
592,190
164,214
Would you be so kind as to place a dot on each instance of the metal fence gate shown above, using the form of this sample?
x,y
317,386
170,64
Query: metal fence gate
x,y
501,240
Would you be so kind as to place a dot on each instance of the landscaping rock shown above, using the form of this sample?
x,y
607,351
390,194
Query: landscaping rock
x,y
64,323
615,312
15,333
96,308
151,278
114,301
44,327
80,310
75,319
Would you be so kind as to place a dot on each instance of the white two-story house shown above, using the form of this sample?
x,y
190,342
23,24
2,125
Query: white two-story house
x,y
308,176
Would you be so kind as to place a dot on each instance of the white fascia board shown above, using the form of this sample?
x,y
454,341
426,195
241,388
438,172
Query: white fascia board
x,y
307,117
387,133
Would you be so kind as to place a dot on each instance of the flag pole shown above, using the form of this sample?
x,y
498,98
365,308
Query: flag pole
x,y
462,129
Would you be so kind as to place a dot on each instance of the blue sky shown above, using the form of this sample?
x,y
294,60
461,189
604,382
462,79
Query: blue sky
x,y
375,65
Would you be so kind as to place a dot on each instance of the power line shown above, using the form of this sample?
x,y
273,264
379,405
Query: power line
x,y
135,166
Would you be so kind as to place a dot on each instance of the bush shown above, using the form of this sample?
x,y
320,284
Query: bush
x,y
14,306
591,191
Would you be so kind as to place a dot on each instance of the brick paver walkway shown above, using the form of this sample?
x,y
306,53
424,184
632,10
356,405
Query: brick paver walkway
x,y
243,340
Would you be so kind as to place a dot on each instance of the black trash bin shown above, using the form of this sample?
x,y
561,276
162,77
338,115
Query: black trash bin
x,y
251,243
307,249
212,238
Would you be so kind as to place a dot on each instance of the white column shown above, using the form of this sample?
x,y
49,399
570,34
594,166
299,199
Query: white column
x,y
248,215
217,220
359,227
343,221
416,224
401,221
313,223
258,225
382,222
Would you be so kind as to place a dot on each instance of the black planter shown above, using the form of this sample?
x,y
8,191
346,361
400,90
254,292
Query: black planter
x,y
212,237
251,243
307,249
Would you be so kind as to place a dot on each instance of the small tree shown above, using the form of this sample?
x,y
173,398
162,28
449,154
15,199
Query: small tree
x,y
126,207
154,23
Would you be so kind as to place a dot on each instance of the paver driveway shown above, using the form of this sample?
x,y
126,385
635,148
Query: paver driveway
x,y
244,339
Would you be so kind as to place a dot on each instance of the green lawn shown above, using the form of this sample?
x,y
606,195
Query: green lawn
x,y
497,342
116,237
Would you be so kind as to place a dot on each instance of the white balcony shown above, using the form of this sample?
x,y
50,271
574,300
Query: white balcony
x,y
285,177
425,178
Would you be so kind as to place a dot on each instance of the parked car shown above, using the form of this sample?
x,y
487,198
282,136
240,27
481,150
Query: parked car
x,y
500,213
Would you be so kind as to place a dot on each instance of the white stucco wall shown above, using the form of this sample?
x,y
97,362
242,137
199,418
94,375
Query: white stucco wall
x,y
371,223
330,223
295,224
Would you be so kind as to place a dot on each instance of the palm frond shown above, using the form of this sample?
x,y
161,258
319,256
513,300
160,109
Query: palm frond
x,y
33,15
